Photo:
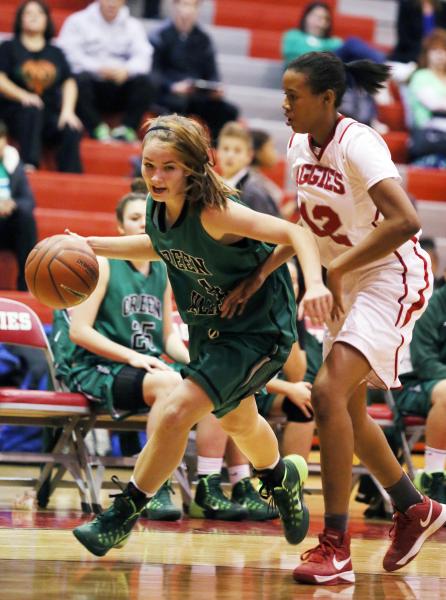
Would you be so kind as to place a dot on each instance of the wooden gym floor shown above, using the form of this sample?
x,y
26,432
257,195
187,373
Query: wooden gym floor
x,y
193,559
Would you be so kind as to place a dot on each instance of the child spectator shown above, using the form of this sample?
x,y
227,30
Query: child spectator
x,y
235,155
17,224
37,92
110,57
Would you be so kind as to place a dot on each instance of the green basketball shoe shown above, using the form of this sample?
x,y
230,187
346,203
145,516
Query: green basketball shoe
x,y
289,498
110,529
161,507
244,494
211,503
432,484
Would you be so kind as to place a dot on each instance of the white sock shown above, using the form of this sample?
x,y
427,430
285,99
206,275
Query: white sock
x,y
434,459
238,472
209,466
138,487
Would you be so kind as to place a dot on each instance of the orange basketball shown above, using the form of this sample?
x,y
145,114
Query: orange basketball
x,y
61,271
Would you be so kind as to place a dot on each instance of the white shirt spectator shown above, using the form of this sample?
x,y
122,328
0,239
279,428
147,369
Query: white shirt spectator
x,y
91,43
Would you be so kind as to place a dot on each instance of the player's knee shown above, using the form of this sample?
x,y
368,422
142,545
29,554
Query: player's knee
x,y
321,400
173,419
439,394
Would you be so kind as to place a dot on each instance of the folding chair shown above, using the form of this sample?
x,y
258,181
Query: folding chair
x,y
19,325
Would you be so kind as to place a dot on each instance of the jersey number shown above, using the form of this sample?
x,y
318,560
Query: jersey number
x,y
142,340
329,223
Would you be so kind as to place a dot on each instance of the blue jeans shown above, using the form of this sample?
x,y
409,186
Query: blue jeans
x,y
355,49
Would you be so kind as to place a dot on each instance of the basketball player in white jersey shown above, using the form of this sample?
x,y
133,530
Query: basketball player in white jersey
x,y
367,232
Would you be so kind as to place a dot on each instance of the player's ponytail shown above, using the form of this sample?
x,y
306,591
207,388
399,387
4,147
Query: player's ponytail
x,y
367,75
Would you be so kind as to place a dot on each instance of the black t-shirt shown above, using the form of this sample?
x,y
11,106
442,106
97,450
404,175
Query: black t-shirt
x,y
40,73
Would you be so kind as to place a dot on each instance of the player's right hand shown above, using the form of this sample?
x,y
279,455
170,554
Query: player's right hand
x,y
235,301
149,363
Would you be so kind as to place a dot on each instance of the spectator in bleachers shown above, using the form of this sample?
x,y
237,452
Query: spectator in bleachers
x,y
17,223
424,393
265,156
185,69
235,155
416,20
314,34
427,103
110,56
37,91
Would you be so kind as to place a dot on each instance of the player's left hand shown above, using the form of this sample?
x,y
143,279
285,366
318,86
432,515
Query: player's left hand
x,y
335,284
317,304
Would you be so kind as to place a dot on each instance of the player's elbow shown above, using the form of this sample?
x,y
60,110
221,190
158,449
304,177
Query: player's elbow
x,y
409,225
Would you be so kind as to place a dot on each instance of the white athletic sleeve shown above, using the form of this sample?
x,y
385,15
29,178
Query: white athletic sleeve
x,y
368,156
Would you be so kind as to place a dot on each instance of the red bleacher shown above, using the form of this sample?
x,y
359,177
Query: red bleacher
x,y
90,193
427,184
108,159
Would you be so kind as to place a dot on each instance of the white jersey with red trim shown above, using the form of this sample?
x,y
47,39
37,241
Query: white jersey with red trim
x,y
333,183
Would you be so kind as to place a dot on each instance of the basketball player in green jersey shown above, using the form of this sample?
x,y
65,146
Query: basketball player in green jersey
x,y
120,334
209,241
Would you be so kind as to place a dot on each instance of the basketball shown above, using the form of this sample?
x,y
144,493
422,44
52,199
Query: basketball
x,y
61,271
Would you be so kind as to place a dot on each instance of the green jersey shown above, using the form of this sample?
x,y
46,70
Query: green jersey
x,y
131,313
202,271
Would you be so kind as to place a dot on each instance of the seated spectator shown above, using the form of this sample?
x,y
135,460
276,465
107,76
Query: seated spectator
x,y
120,334
430,246
17,223
314,34
37,92
110,56
424,393
185,69
427,103
416,20
235,155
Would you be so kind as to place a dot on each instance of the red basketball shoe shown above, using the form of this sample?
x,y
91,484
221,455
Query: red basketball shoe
x,y
329,563
411,529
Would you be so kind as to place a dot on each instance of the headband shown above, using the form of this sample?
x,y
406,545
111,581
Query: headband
x,y
159,127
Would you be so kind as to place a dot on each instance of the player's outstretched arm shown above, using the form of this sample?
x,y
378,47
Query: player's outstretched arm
x,y
126,247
